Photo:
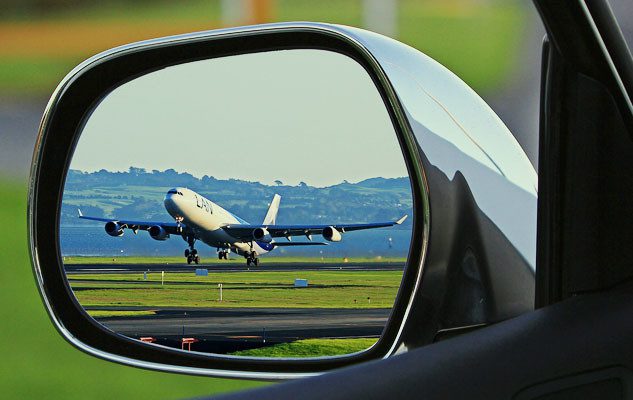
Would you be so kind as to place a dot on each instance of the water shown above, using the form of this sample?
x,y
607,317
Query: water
x,y
94,241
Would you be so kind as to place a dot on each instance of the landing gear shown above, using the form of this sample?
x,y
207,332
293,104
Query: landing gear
x,y
179,225
191,254
223,255
251,258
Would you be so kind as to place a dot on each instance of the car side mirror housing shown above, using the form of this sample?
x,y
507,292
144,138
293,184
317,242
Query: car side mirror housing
x,y
471,257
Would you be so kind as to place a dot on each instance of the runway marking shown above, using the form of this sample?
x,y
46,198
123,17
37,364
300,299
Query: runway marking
x,y
244,337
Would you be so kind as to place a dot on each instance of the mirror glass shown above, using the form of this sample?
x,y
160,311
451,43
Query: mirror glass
x,y
251,205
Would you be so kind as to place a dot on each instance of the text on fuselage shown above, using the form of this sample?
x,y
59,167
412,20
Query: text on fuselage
x,y
204,204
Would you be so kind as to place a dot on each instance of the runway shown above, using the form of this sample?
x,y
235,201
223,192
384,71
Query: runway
x,y
233,266
225,330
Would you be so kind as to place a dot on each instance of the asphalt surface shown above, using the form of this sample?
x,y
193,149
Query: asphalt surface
x,y
225,330
236,266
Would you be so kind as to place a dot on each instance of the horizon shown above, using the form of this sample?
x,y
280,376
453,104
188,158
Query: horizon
x,y
131,168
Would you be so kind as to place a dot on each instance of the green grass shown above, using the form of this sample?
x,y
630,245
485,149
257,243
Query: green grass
x,y
28,76
345,12
189,10
311,348
118,313
479,42
72,260
327,289
38,363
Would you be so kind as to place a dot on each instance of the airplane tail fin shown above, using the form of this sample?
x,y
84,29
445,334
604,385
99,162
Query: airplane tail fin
x,y
271,215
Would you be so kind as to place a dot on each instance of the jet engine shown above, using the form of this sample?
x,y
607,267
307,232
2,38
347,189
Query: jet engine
x,y
157,232
113,228
331,234
262,235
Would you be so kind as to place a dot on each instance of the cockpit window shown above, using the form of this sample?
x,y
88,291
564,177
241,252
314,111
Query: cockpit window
x,y
173,191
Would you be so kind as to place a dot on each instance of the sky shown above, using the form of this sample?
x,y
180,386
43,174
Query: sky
x,y
294,115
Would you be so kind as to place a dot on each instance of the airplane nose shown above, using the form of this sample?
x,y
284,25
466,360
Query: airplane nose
x,y
171,203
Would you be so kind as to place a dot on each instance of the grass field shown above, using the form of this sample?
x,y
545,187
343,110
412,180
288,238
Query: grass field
x,y
74,260
118,313
327,289
311,348
38,363
477,40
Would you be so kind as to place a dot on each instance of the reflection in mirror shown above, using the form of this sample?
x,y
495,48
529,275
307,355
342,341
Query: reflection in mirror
x,y
171,166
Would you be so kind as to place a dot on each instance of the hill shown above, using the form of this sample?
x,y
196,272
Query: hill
x,y
139,194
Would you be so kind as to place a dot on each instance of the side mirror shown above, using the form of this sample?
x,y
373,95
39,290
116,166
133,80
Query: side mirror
x,y
379,132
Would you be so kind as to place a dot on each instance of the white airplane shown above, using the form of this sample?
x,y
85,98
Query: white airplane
x,y
197,218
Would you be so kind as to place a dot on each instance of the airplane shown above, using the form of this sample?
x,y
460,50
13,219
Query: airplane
x,y
197,218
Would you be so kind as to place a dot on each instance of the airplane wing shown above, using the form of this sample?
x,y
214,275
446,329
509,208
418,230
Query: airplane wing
x,y
169,227
290,244
245,232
